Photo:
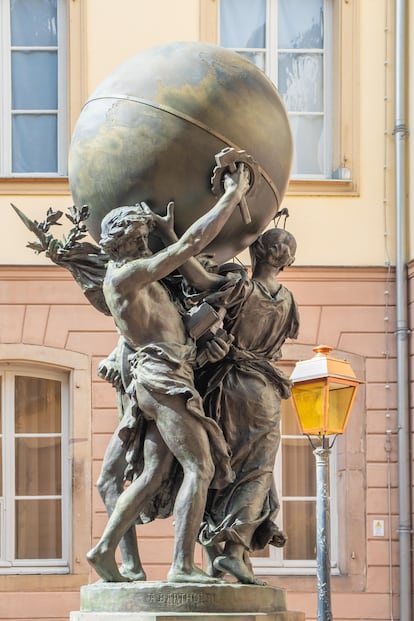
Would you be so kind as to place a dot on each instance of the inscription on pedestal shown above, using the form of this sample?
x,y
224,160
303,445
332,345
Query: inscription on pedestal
x,y
178,599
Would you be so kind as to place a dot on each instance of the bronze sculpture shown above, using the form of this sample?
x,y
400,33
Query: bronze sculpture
x,y
162,373
163,376
111,164
238,371
243,392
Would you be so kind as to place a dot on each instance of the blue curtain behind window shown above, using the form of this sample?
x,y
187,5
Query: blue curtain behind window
x,y
34,72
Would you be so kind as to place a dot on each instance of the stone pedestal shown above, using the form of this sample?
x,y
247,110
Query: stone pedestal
x,y
164,601
201,616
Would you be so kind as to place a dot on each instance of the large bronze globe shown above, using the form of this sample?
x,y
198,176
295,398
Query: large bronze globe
x,y
151,130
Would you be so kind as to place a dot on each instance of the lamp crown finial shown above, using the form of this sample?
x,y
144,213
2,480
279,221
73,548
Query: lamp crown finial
x,y
322,350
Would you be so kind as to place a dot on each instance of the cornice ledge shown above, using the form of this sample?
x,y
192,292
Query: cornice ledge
x,y
34,272
338,273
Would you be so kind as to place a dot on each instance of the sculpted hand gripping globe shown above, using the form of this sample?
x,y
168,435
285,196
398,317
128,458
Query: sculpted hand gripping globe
x,y
151,130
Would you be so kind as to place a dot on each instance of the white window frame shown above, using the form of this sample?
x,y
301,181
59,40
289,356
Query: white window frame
x,y
275,564
8,563
271,51
6,111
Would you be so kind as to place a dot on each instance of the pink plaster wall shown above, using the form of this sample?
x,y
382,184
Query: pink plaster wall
x,y
342,307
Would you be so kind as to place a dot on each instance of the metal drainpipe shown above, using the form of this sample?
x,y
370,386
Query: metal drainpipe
x,y
400,133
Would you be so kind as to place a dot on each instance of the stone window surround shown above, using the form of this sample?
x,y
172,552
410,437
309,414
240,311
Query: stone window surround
x,y
80,448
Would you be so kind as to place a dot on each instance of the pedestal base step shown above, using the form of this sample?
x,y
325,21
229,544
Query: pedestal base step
x,y
186,616
166,601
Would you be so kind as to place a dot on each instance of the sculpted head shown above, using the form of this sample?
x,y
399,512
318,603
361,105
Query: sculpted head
x,y
275,247
125,230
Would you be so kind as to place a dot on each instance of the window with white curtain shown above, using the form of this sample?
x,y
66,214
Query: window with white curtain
x,y
35,482
291,40
295,478
33,106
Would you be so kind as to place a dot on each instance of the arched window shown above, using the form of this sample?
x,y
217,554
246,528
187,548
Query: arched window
x,y
295,479
45,461
35,492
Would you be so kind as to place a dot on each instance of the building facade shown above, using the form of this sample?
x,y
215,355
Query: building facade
x,y
336,65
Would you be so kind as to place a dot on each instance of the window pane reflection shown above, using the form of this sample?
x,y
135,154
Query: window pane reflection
x,y
289,423
300,82
308,136
34,139
299,523
300,24
298,468
242,23
37,405
33,22
34,80
38,529
38,466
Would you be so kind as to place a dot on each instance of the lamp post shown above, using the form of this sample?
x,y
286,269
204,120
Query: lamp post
x,y
323,392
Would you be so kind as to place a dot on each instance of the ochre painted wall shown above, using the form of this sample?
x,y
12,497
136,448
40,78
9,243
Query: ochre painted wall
x,y
331,230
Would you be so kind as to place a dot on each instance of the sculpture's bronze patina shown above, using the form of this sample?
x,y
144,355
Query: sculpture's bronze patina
x,y
151,130
198,396
162,371
242,392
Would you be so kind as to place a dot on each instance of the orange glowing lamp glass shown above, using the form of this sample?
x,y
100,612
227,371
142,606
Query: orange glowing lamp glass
x,y
323,392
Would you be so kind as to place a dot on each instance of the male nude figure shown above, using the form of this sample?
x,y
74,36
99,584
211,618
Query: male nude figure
x,y
150,323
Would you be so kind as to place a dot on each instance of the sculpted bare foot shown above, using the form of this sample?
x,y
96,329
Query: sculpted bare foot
x,y
194,575
247,561
279,538
213,552
132,574
215,573
103,562
237,568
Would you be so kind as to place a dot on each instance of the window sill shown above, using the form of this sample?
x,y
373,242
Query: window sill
x,y
60,185
325,187
34,185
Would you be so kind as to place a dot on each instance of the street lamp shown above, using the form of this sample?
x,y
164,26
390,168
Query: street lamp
x,y
323,391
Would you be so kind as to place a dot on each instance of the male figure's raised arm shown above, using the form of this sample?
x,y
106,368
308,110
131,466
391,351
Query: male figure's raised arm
x,y
192,270
197,236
